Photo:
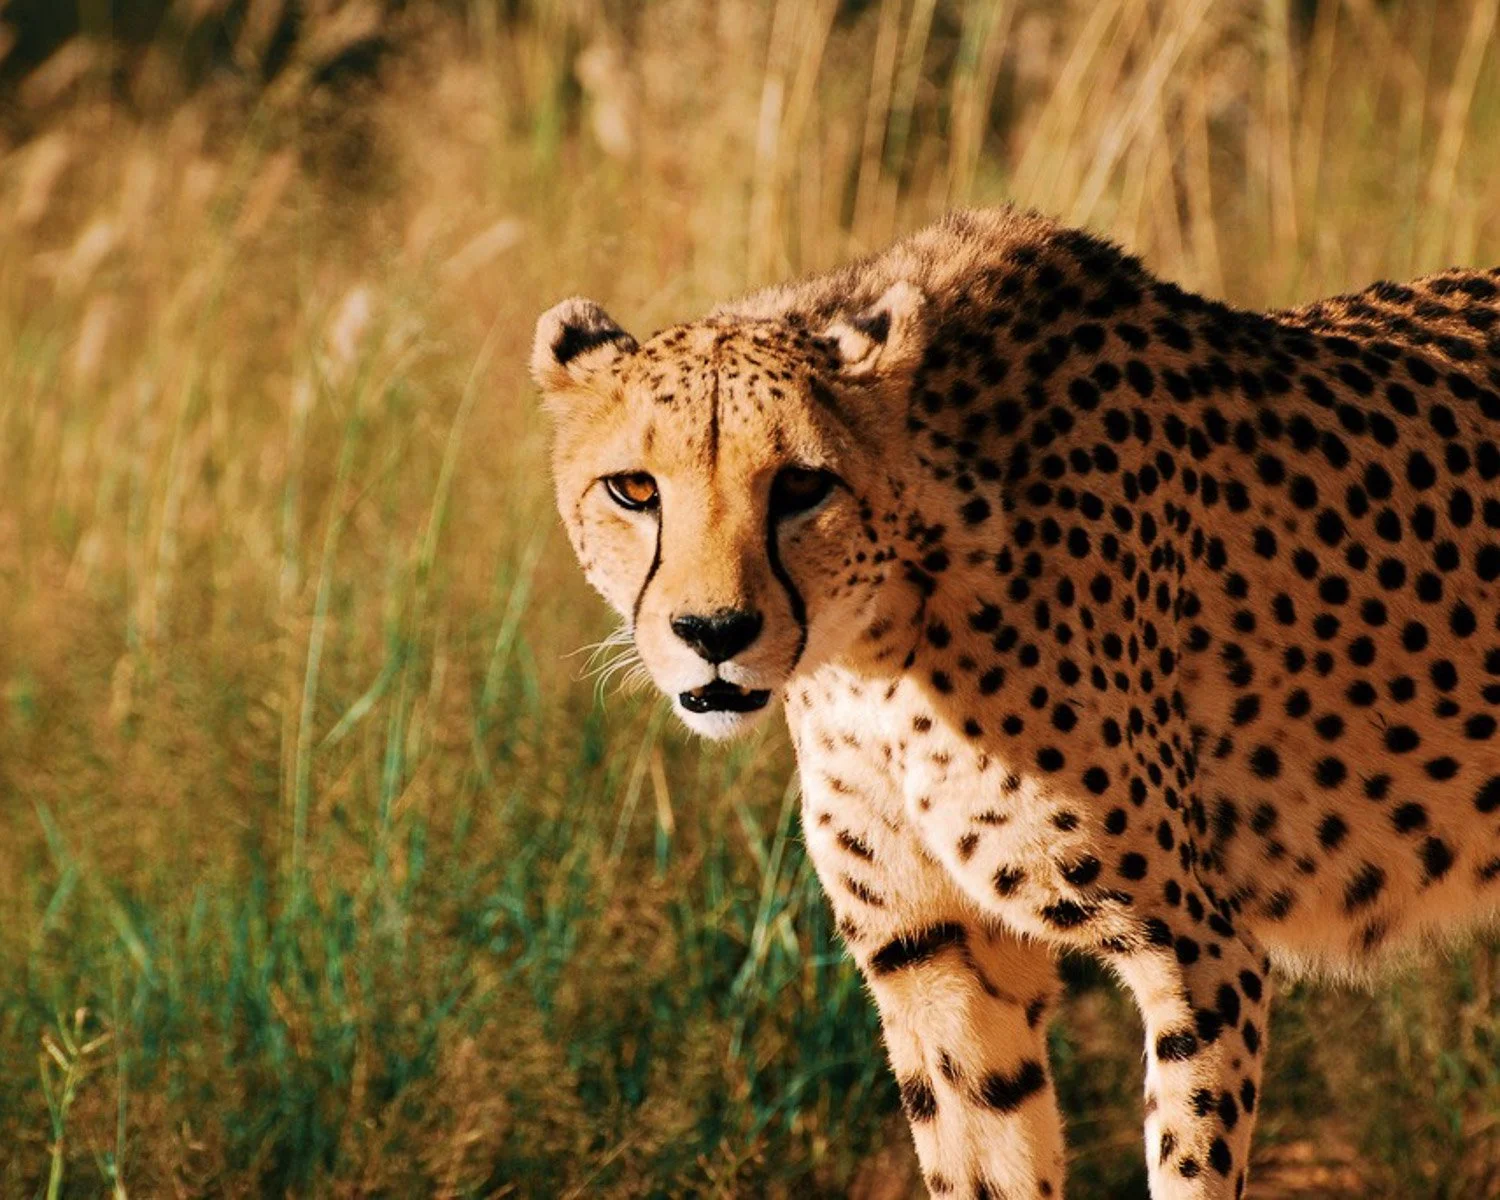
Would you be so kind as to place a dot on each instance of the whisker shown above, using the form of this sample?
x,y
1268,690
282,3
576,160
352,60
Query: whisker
x,y
622,636
613,673
635,679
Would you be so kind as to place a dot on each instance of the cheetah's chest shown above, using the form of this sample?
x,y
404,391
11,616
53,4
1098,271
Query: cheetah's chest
x,y
881,749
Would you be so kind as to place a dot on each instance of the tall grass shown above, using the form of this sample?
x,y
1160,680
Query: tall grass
x,y
324,869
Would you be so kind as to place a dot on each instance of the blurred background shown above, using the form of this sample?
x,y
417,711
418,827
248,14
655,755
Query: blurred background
x,y
331,862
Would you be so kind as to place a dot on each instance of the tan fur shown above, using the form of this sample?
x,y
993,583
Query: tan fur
x,y
1136,624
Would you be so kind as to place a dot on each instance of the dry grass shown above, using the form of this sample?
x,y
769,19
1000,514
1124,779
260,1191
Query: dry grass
x,y
325,871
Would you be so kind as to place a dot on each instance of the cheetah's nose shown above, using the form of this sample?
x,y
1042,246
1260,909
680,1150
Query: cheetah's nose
x,y
720,635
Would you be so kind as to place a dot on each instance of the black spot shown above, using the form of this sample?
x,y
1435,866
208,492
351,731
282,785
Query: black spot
x,y
1329,772
1408,817
1437,858
1444,675
1226,820
1177,1047
1265,762
1065,914
1133,866
1414,637
855,846
1329,727
1363,887
1139,376
1229,1004
1332,831
1420,472
912,949
918,1099
1401,739
1083,872
1006,1093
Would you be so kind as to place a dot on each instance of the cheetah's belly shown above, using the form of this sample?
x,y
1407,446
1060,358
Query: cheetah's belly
x,y
1336,848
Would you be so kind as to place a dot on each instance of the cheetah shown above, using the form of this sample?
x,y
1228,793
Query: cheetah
x,y
1103,616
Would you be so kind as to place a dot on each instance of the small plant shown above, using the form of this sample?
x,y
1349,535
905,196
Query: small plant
x,y
69,1056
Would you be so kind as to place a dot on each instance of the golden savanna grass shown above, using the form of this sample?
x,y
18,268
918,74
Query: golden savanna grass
x,y
324,869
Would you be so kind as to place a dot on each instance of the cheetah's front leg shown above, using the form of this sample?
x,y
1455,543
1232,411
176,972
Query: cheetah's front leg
x,y
1205,1001
963,1010
1198,979
963,1006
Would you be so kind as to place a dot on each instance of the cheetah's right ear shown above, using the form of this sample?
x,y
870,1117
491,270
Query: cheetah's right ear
x,y
885,337
575,341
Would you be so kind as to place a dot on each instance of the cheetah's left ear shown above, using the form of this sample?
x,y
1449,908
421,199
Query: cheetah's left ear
x,y
575,340
883,338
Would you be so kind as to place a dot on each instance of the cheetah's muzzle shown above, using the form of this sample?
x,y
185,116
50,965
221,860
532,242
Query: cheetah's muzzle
x,y
723,696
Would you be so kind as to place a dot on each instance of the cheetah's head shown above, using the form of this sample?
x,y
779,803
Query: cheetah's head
x,y
727,487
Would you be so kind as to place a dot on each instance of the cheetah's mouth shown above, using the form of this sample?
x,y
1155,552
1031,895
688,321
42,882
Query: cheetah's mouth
x,y
723,696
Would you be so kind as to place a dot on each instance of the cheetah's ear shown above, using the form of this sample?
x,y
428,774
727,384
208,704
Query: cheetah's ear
x,y
575,340
883,338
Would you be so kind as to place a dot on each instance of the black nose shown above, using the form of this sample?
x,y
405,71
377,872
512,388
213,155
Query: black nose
x,y
719,635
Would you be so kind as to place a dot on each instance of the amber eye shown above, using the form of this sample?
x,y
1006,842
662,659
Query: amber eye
x,y
799,490
634,490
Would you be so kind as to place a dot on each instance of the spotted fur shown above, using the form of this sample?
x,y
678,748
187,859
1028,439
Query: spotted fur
x,y
1137,624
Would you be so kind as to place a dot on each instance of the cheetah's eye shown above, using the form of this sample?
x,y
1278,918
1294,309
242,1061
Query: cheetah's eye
x,y
798,490
634,490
